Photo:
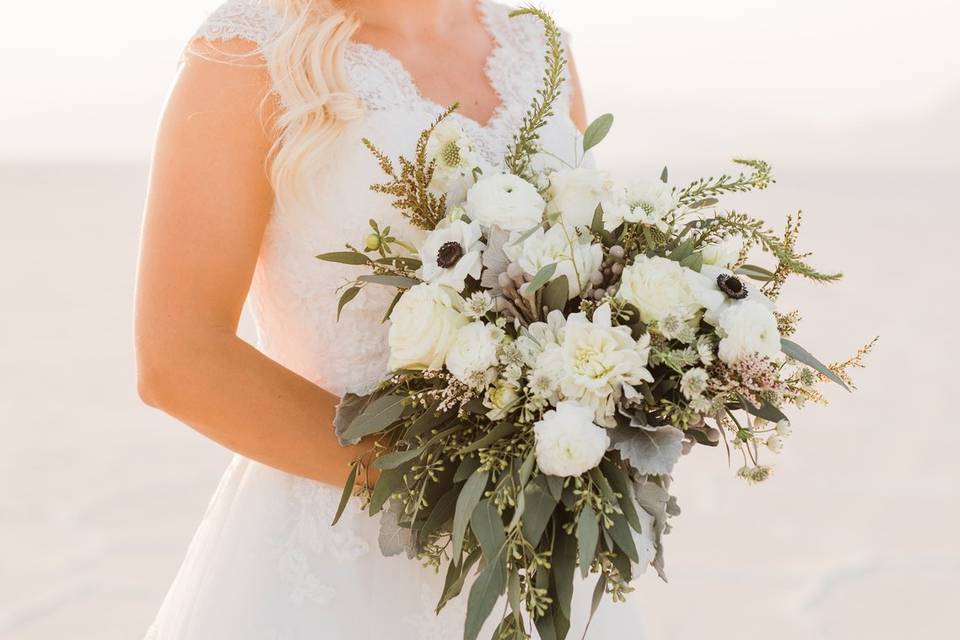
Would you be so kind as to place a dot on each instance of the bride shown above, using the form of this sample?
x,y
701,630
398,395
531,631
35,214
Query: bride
x,y
258,167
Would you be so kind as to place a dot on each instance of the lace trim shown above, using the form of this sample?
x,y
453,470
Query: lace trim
x,y
253,20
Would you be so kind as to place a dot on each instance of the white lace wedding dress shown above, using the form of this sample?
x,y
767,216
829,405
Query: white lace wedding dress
x,y
265,564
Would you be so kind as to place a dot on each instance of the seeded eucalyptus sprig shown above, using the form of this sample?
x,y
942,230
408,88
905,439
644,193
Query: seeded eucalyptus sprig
x,y
526,140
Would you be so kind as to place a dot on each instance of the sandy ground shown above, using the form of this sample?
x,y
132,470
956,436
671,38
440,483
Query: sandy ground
x,y
856,537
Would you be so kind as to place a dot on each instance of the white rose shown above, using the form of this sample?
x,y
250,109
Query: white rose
x,y
568,443
747,328
455,158
473,356
575,255
451,253
506,201
423,326
660,287
575,193
722,254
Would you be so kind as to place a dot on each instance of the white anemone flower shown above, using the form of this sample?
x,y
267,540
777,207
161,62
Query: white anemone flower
x,y
451,253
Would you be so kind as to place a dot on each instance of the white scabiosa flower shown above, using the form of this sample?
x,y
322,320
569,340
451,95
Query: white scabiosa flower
x,y
649,203
455,157
506,201
479,304
693,383
706,350
568,443
660,287
748,328
574,195
451,253
423,326
472,357
574,253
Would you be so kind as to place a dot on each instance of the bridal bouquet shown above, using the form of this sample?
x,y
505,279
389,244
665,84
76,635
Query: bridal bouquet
x,y
558,340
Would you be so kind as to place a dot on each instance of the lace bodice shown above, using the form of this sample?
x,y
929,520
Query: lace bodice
x,y
293,295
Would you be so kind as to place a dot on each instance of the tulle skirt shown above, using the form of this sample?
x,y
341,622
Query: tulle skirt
x,y
265,564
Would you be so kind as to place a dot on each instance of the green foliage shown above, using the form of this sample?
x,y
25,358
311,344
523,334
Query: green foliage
x,y
526,141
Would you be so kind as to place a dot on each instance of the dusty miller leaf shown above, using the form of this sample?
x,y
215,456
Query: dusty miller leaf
x,y
651,452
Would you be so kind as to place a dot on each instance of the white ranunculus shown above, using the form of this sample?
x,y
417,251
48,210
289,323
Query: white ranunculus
x,y
506,201
472,358
455,157
722,254
423,326
452,252
660,287
568,443
574,253
575,193
747,328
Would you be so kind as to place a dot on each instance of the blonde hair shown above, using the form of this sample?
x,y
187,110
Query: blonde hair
x,y
305,62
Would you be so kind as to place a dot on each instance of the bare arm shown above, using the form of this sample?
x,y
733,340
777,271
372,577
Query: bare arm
x,y
578,109
208,204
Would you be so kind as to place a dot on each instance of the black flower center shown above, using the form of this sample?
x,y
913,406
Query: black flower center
x,y
449,254
731,286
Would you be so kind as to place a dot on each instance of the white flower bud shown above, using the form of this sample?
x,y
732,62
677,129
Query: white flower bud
x,y
784,428
775,443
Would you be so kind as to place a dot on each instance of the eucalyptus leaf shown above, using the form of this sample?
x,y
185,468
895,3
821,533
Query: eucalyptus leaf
x,y
387,484
456,576
564,567
400,282
498,432
353,258
596,225
651,452
664,176
396,458
350,406
767,411
597,131
377,416
486,590
427,421
543,276
401,262
795,351
756,273
441,512
539,505
487,526
467,466
468,500
555,483
556,294
588,534
345,299
622,536
620,482
393,539
347,492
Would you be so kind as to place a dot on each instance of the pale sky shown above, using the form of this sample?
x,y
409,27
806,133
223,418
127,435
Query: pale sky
x,y
86,80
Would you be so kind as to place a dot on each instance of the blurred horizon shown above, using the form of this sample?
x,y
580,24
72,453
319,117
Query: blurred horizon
x,y
817,83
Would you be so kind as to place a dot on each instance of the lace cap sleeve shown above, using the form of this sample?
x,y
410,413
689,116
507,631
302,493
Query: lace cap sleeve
x,y
253,20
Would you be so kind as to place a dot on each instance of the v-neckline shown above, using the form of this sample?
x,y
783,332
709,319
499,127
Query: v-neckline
x,y
484,13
